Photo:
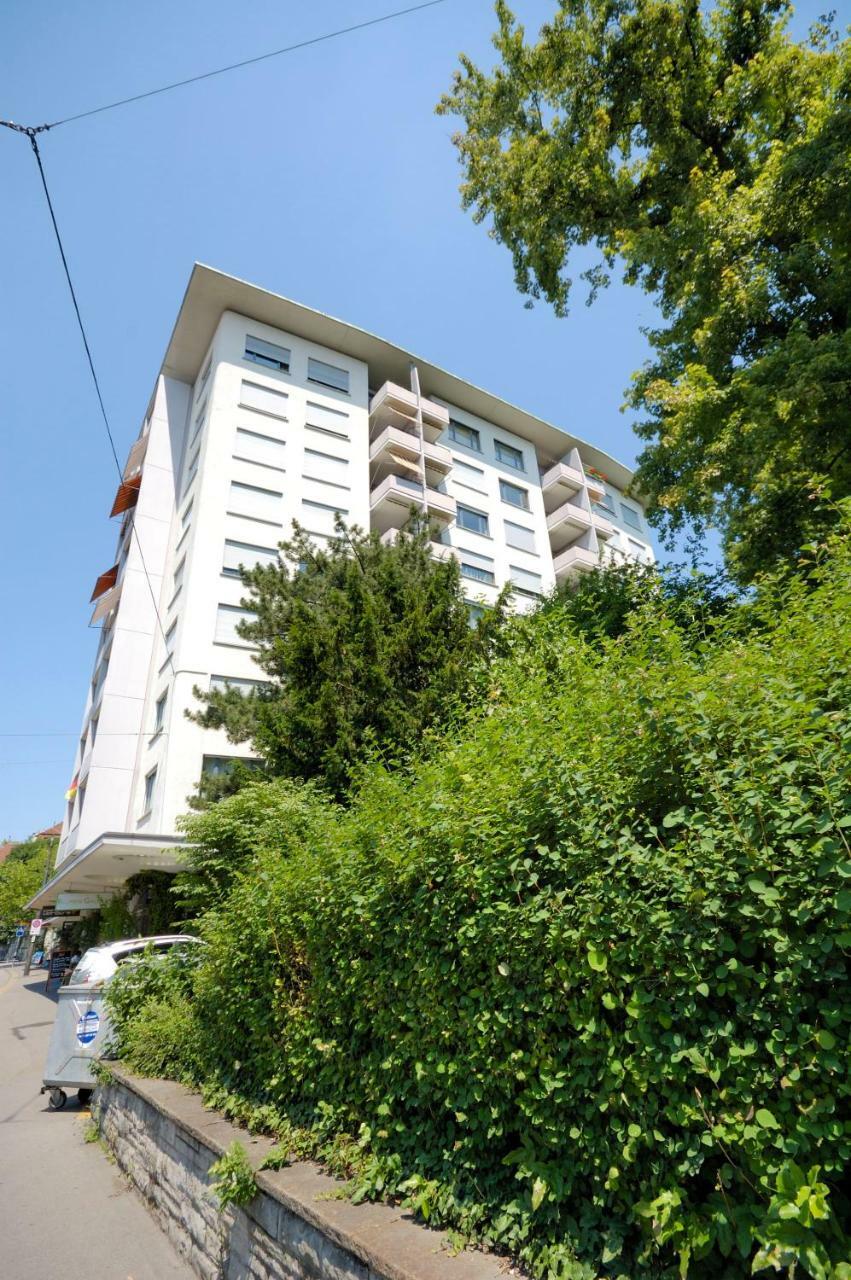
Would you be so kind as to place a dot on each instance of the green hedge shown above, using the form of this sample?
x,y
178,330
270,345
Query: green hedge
x,y
577,984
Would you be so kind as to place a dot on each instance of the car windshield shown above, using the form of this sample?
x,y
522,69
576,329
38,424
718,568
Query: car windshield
x,y
90,968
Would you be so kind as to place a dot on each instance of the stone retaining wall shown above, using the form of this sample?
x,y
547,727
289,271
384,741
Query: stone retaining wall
x,y
165,1140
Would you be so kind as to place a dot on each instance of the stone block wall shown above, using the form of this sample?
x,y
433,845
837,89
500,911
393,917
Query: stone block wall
x,y
165,1141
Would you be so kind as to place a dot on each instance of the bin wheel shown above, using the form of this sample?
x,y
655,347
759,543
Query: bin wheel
x,y
84,1096
58,1098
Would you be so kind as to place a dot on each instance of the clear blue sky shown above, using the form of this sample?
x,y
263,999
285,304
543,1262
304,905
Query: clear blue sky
x,y
324,175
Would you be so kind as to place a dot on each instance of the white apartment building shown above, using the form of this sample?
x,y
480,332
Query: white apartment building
x,y
265,412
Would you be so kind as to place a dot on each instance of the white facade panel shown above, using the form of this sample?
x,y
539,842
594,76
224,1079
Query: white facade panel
x,y
266,423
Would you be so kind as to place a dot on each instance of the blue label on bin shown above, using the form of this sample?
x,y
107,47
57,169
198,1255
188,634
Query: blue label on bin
x,y
87,1027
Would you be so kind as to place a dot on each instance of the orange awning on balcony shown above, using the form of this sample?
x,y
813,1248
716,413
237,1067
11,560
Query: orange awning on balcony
x,y
105,581
127,496
402,463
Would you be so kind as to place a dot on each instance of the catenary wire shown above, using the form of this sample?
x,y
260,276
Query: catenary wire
x,y
31,134
246,62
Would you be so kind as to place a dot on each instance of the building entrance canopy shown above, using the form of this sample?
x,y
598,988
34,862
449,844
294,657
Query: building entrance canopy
x,y
108,863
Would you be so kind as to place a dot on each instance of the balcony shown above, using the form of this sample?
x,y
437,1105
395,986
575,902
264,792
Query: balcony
x,y
596,488
127,495
391,500
393,405
135,458
574,560
559,484
567,523
394,445
605,528
440,550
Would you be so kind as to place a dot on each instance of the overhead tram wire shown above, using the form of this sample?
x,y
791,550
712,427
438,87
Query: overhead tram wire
x,y
245,62
31,131
31,134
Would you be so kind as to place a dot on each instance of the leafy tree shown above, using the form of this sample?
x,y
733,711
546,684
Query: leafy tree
x,y
364,646
21,875
710,155
600,604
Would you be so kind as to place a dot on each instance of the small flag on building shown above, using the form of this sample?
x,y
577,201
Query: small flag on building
x,y
72,790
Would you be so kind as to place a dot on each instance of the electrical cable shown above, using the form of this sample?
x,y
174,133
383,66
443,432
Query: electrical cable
x,y
246,62
31,134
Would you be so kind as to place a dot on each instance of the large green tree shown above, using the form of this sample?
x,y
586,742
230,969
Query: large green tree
x,y
363,646
708,155
21,875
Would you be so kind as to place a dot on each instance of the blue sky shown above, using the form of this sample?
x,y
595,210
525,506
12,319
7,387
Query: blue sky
x,y
324,175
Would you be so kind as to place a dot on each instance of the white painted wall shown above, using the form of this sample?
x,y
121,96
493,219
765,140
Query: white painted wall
x,y
202,441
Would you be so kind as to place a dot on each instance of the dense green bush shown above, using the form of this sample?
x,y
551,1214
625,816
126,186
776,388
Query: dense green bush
x,y
577,983
148,1002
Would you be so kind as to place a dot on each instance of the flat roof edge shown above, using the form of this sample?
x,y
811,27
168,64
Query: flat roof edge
x,y
210,292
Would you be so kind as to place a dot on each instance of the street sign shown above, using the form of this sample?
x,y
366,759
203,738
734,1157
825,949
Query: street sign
x,y
35,927
20,931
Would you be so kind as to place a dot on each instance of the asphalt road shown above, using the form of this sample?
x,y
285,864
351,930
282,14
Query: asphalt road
x,y
65,1212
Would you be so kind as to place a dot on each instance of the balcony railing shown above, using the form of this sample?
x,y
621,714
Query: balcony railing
x,y
440,550
605,528
574,560
393,405
391,501
567,523
559,483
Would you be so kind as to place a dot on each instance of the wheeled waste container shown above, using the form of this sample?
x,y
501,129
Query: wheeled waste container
x,y
81,1031
78,1037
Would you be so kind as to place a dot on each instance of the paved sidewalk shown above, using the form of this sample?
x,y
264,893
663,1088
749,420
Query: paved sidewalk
x,y
65,1213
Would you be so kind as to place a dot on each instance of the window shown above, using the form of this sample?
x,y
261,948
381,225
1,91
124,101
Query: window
x,y
245,687
263,399
259,351
243,553
462,434
170,636
475,613
191,471
631,517
637,548
178,581
606,503
255,503
199,422
331,422
477,572
508,454
320,517
476,566
204,377
514,494
517,535
528,584
216,766
328,468
468,477
150,783
262,450
327,375
228,618
159,711
184,519
475,521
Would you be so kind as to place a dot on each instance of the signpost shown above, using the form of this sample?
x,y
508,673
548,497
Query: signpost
x,y
35,927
